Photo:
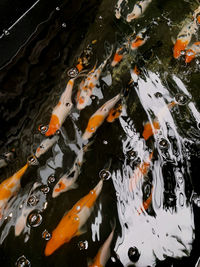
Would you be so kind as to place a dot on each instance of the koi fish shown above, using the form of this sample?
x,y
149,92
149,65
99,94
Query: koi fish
x,y
192,52
141,170
68,180
118,56
150,129
146,203
138,9
86,88
118,9
140,39
114,113
71,223
135,74
22,220
99,116
6,158
104,252
61,110
45,145
185,35
9,187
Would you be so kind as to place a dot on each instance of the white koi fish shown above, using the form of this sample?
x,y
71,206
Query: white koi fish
x,y
138,9
45,145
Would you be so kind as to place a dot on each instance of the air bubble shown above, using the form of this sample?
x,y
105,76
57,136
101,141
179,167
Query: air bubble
x,y
46,235
34,219
105,142
32,201
83,245
22,262
45,189
163,144
57,8
6,32
158,94
181,199
51,179
133,254
43,128
32,160
72,73
104,174
132,154
64,25
181,99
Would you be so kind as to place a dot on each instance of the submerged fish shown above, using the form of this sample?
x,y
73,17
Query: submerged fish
x,y
192,52
45,145
61,110
138,9
185,35
71,223
68,180
104,252
99,116
87,86
139,40
10,187
118,56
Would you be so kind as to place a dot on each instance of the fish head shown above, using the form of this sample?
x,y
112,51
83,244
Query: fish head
x,y
94,122
179,46
54,125
190,55
60,187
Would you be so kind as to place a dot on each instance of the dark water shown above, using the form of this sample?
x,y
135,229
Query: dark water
x,y
167,232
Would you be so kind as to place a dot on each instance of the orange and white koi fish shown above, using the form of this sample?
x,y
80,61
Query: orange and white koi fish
x,y
134,74
71,223
151,128
10,187
86,88
68,180
114,113
185,35
99,116
61,110
139,40
118,56
146,203
192,52
45,145
104,252
140,171
138,9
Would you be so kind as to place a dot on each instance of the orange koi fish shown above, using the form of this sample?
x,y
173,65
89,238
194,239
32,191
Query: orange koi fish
x,y
185,35
71,223
68,180
61,110
138,9
117,57
150,129
192,52
86,88
45,145
146,203
99,116
141,170
114,113
139,40
10,187
104,252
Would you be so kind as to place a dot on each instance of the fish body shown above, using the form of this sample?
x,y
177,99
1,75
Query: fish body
x,y
86,88
104,252
192,52
185,35
138,9
71,223
99,116
61,110
45,145
9,187
118,56
68,180
139,40
114,113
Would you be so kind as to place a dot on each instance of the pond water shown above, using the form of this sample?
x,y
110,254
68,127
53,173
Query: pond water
x,y
100,134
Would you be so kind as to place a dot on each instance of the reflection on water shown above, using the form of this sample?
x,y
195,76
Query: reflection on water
x,y
100,139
